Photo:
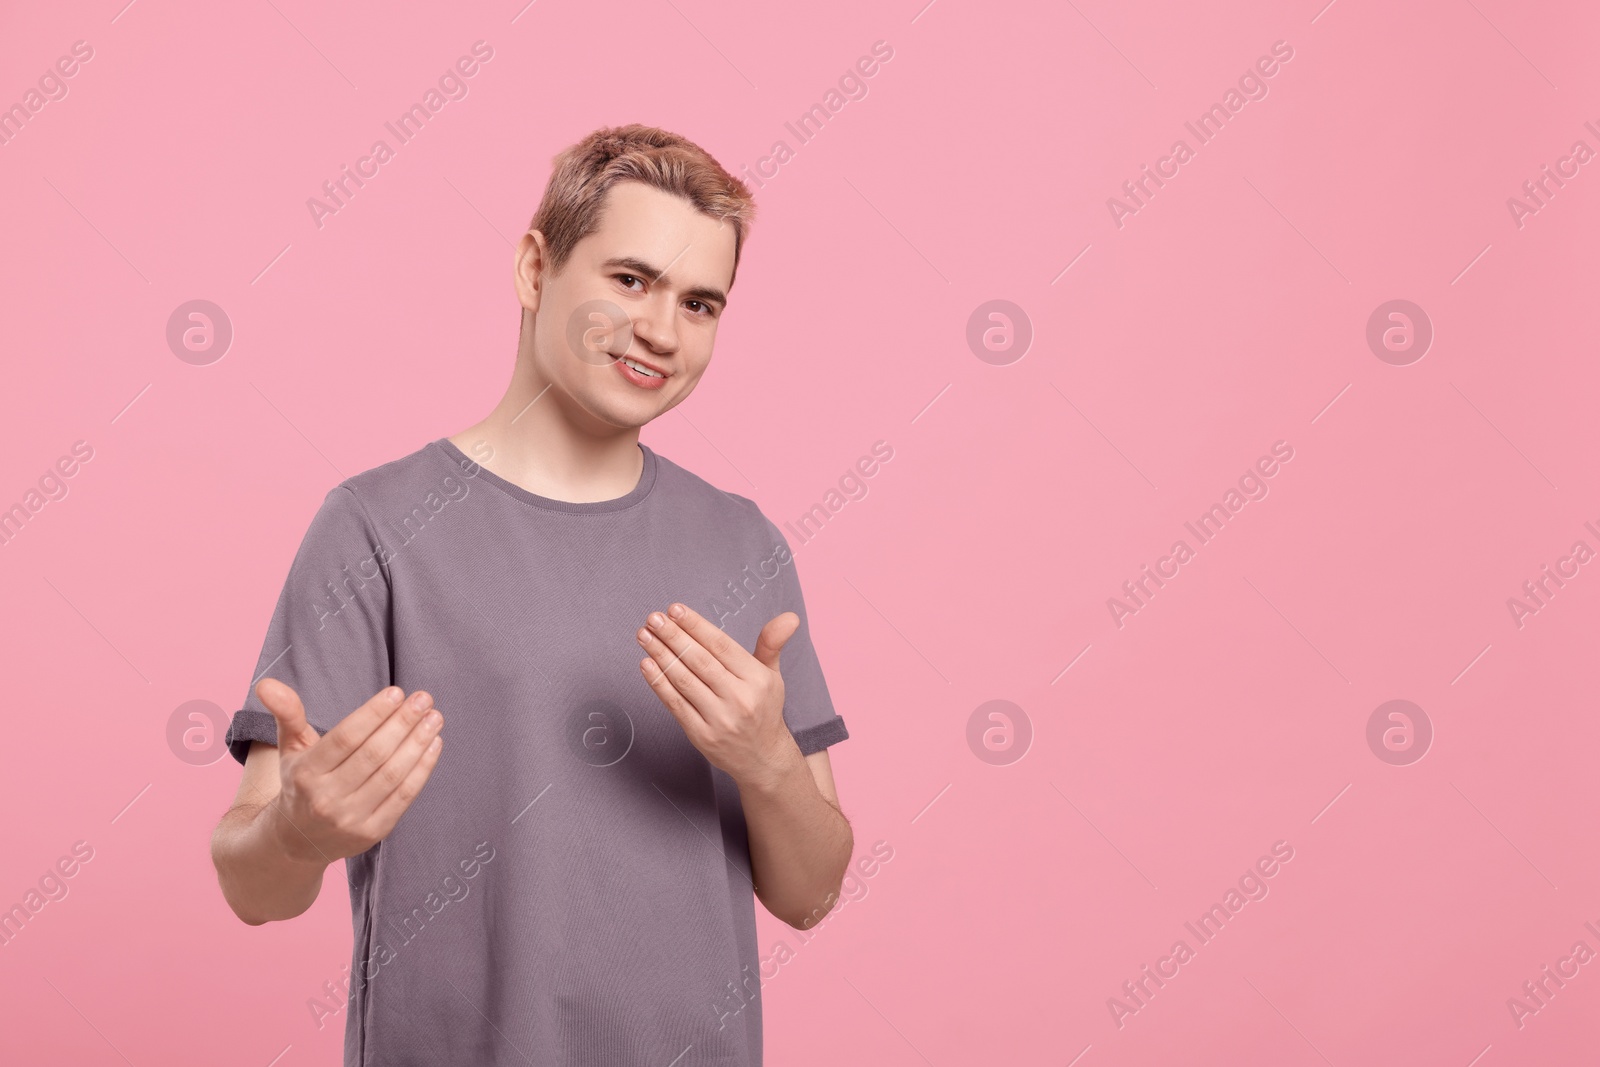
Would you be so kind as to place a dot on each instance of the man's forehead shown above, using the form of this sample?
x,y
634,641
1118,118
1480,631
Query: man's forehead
x,y
652,228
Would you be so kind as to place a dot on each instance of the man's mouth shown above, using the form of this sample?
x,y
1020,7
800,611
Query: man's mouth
x,y
643,368
639,374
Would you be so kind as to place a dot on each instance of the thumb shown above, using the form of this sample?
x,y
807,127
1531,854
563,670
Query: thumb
x,y
774,635
294,733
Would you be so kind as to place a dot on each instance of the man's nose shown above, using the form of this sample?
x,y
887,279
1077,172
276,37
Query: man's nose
x,y
657,326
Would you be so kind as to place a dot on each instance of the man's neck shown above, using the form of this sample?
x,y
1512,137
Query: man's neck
x,y
531,441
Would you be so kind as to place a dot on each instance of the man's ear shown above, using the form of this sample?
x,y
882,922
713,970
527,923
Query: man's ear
x,y
527,268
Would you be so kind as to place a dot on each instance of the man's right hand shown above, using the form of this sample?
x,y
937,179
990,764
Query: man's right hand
x,y
341,792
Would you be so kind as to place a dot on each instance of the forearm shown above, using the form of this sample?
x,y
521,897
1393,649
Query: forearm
x,y
260,880
800,843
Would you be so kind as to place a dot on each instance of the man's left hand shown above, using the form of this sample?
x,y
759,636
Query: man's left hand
x,y
728,701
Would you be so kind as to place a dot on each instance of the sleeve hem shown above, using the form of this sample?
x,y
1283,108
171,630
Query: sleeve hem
x,y
816,738
247,726
251,725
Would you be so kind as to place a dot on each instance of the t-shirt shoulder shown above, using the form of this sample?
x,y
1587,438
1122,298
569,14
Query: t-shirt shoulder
x,y
394,477
728,509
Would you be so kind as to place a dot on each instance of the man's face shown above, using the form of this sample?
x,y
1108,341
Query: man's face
x,y
655,263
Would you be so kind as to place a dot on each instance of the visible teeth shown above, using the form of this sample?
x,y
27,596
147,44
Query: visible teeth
x,y
642,369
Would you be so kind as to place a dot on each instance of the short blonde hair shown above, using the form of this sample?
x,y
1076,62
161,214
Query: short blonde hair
x,y
585,172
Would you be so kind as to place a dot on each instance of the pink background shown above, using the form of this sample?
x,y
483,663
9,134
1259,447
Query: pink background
x,y
1229,313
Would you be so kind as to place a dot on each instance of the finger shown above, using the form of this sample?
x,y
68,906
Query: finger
x,y
684,679
774,635
398,764
695,656
715,640
388,813
688,716
370,756
348,734
295,734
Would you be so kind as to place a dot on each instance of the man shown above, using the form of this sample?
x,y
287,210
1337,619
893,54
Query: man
x,y
571,879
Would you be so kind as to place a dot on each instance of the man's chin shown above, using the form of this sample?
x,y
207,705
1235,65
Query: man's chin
x,y
627,413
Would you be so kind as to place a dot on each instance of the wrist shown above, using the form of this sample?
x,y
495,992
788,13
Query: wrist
x,y
287,841
772,775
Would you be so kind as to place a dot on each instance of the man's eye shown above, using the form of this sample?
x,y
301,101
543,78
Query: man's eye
x,y
703,305
626,278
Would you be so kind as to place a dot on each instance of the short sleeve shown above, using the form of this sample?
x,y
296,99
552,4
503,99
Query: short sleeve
x,y
807,706
329,635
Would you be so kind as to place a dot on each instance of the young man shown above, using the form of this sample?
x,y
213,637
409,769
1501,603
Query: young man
x,y
570,880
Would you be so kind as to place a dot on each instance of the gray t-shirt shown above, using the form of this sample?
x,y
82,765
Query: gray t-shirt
x,y
572,886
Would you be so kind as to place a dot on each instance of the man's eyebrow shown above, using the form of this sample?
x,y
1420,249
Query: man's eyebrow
x,y
653,274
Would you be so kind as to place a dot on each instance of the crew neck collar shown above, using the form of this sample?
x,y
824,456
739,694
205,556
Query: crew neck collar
x,y
647,479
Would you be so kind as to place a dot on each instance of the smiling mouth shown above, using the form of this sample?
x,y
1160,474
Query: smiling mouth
x,y
641,368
